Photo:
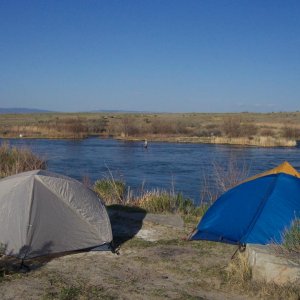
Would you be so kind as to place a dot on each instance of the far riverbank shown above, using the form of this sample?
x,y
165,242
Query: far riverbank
x,y
243,129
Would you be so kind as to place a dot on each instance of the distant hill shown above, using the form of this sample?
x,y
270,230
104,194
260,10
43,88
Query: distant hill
x,y
121,111
22,110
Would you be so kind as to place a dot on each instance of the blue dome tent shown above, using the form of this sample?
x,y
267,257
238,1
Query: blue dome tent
x,y
257,211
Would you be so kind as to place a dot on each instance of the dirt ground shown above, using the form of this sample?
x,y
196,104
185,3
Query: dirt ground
x,y
154,262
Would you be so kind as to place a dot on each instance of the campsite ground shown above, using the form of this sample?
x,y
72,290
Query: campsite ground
x,y
155,262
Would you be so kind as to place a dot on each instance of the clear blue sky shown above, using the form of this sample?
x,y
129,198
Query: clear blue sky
x,y
150,55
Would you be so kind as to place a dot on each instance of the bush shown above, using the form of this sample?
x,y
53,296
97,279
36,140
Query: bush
x,y
232,127
15,160
267,132
110,191
163,127
248,129
290,132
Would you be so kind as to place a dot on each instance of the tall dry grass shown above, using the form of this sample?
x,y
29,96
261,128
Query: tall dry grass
x,y
238,270
222,178
238,273
15,160
162,201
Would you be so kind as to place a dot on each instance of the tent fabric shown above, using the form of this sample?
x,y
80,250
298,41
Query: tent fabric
x,y
43,212
285,167
256,211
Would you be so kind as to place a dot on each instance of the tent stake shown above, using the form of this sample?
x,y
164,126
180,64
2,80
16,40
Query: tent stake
x,y
241,248
24,268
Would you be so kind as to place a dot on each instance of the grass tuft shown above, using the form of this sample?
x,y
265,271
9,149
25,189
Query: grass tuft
x,y
238,270
161,201
291,237
110,191
15,160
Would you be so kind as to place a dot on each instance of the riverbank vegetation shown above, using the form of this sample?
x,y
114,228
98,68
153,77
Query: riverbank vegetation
x,y
113,190
270,129
291,237
14,160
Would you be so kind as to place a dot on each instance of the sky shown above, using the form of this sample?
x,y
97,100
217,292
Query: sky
x,y
150,55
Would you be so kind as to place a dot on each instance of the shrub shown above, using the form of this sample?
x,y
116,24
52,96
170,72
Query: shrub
x,y
208,133
129,125
267,132
163,127
248,129
226,177
182,128
290,132
15,160
110,191
232,127
202,133
97,126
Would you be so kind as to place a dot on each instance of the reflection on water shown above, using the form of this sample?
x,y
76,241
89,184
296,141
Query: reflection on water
x,y
161,165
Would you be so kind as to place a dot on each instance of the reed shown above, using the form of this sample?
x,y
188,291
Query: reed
x,y
262,141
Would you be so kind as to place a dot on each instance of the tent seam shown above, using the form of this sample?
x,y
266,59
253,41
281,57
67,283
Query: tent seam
x,y
261,208
29,239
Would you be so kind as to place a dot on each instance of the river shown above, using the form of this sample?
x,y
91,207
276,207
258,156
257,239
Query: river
x,y
170,166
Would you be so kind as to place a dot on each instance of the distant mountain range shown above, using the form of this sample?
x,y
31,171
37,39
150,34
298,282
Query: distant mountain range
x,y
22,110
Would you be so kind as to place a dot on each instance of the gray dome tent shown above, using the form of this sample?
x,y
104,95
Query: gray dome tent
x,y
43,212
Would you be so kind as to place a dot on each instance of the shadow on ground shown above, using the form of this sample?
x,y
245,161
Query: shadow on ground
x,y
126,222
12,263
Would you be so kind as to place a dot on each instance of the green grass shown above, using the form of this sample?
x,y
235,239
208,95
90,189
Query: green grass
x,y
161,201
291,237
110,191
79,292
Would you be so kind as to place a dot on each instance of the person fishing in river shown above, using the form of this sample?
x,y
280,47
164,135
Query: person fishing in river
x,y
145,143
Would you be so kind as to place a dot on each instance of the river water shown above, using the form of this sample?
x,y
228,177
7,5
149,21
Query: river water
x,y
171,166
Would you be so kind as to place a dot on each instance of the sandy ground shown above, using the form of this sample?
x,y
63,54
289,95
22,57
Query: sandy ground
x,y
154,262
